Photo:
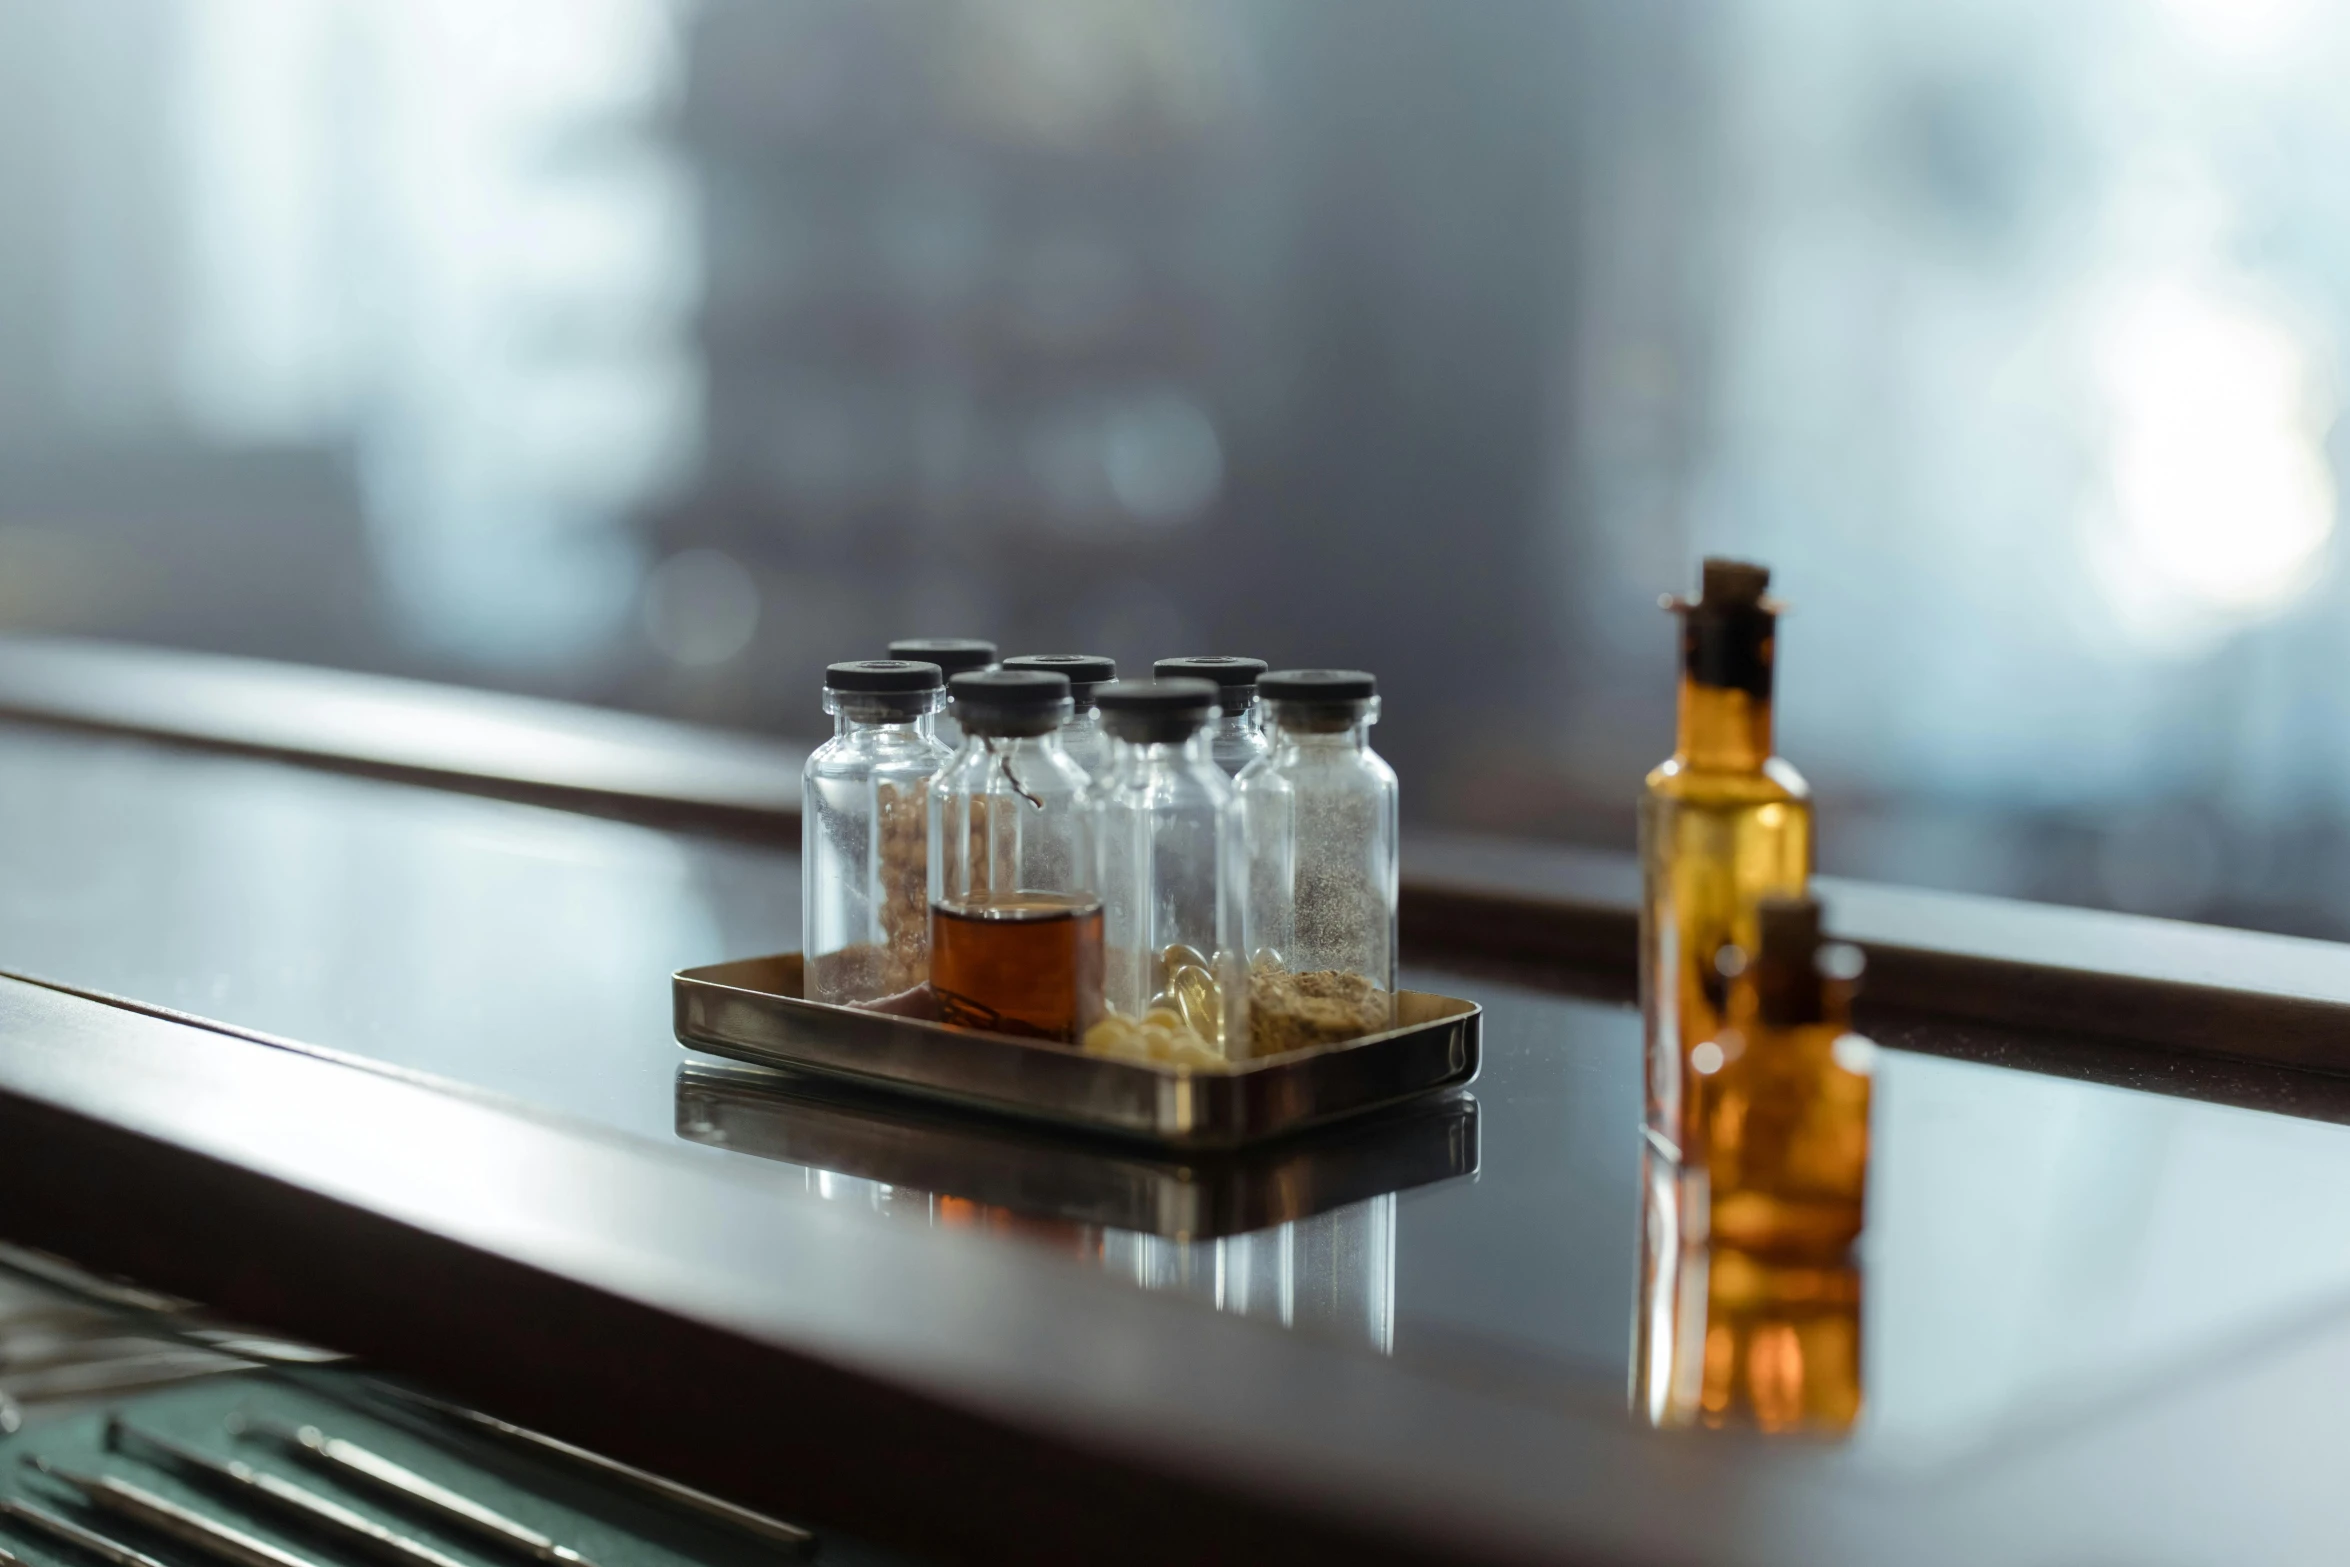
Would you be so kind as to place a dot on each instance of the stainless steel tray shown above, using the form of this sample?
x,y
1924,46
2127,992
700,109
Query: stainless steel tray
x,y
754,1010
1073,1177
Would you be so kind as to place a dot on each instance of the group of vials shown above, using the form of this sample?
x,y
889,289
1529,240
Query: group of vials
x,y
1199,868
1758,1092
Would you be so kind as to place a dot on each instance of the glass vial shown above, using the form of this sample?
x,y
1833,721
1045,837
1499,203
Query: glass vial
x,y
864,823
1318,823
1167,836
1239,735
953,655
1724,823
1081,736
1015,925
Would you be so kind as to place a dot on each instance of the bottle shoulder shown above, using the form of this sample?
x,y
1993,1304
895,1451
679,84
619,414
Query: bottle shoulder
x,y
1201,787
868,756
1777,782
1044,773
1350,771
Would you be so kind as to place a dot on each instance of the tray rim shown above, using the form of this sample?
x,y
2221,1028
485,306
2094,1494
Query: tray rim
x,y
700,974
1461,1015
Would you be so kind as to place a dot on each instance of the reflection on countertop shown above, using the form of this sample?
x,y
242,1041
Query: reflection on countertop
x,y
1301,1231
2036,1246
1726,1337
1072,1177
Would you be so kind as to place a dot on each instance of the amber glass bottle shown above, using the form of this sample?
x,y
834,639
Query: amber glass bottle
x,y
1750,1313
1751,1284
1784,1093
1724,824
1779,1346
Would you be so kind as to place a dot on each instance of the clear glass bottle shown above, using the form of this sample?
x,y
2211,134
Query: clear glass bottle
x,y
1015,924
1081,736
1318,822
954,655
1239,735
864,826
1723,824
1167,836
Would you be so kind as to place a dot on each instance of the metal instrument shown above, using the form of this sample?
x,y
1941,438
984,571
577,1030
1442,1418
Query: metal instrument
x,y
169,1519
773,1530
350,1461
294,1502
74,1534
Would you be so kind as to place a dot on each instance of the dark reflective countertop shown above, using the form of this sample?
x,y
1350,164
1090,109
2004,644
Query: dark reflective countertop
x,y
2039,1249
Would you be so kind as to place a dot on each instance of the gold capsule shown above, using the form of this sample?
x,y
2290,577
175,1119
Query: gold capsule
x,y
1199,998
1178,956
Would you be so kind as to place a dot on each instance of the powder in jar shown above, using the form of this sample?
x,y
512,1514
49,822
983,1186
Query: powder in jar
x,y
900,960
904,916
1318,1007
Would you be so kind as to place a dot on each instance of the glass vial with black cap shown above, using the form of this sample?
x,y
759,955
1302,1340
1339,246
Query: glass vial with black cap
x,y
1318,822
1724,824
1238,737
1167,836
1015,923
1081,736
864,832
954,655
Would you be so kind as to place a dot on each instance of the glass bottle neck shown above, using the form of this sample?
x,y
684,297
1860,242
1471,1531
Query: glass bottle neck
x,y
1723,729
1161,755
921,726
1015,745
1320,737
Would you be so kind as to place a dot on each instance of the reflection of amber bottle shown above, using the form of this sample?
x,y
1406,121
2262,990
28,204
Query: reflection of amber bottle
x,y
1751,1307
961,1213
1784,1093
1724,824
1727,1337
1782,1343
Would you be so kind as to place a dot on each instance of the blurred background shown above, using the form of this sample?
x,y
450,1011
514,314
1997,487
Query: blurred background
x,y
655,352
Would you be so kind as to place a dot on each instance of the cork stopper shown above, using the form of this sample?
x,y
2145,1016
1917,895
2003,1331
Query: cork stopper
x,y
1732,584
1728,630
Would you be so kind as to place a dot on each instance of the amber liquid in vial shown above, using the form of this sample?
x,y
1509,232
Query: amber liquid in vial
x,y
1027,963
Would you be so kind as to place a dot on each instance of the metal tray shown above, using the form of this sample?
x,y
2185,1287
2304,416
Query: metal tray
x,y
754,1010
1073,1177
